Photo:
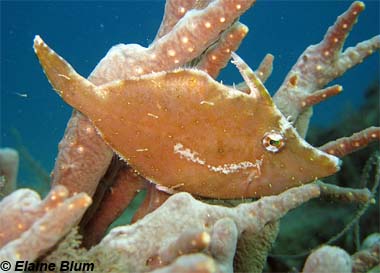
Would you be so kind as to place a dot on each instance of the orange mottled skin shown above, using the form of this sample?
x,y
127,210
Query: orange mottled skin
x,y
186,132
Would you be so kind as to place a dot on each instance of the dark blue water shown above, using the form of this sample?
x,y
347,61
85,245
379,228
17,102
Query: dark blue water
x,y
82,32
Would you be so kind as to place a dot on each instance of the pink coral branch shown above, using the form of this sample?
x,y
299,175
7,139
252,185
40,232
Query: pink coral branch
x,y
48,222
9,161
319,96
320,64
218,55
182,213
328,259
182,43
187,243
196,263
153,199
174,11
334,192
223,244
222,251
116,199
265,68
355,55
337,33
366,259
83,157
346,145
188,39
19,210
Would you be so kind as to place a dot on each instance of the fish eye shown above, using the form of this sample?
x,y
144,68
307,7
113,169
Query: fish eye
x,y
273,141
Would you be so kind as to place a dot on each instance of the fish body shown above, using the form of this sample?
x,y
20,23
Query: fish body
x,y
184,131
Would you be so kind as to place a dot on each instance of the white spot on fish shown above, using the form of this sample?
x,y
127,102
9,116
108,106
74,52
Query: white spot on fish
x,y
207,102
152,115
142,150
64,76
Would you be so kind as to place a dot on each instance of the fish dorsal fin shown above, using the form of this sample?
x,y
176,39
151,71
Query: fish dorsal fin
x,y
258,90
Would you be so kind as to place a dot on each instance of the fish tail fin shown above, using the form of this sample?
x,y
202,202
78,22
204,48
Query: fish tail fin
x,y
65,80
